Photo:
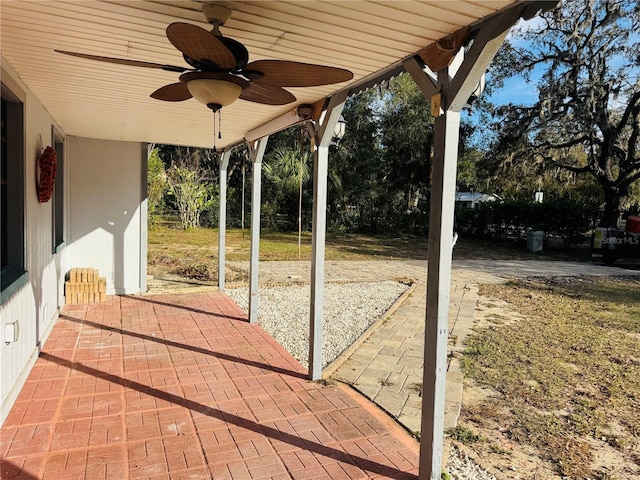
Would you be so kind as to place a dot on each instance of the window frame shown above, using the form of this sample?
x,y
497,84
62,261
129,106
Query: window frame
x,y
58,205
12,273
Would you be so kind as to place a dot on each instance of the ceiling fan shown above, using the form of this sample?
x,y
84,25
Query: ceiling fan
x,y
220,71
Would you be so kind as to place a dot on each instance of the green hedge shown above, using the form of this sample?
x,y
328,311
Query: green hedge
x,y
565,219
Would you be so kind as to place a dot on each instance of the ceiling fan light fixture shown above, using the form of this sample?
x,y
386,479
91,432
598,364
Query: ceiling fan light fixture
x,y
213,89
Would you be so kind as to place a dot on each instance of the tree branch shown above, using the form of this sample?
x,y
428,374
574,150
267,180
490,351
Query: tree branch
x,y
572,168
568,144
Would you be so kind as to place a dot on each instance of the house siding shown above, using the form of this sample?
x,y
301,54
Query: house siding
x,y
105,202
105,228
36,304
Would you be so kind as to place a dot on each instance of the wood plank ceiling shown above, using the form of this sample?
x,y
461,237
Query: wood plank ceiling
x,y
100,100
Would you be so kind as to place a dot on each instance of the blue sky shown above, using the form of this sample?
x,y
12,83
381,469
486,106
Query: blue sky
x,y
517,90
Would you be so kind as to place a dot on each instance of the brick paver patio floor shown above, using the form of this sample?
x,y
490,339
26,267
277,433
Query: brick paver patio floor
x,y
183,387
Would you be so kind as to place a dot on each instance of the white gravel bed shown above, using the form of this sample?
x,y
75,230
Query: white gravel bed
x,y
461,467
349,309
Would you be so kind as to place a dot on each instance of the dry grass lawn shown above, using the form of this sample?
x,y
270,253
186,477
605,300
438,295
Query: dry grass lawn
x,y
554,374
192,254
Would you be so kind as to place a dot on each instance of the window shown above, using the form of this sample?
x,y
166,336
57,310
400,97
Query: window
x,y
3,188
58,192
12,273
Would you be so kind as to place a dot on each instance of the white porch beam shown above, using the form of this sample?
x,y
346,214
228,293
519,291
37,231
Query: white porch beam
x,y
222,217
316,326
284,121
440,241
144,216
256,150
324,134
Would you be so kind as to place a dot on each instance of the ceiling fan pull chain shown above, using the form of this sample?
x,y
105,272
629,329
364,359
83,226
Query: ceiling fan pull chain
x,y
219,123
214,131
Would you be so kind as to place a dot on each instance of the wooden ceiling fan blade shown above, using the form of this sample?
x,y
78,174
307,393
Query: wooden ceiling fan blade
x,y
196,43
125,61
284,73
174,92
267,95
239,51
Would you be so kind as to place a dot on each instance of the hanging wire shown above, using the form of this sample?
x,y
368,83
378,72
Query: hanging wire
x,y
219,135
214,131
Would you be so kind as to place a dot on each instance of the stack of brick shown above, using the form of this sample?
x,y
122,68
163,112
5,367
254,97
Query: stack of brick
x,y
85,285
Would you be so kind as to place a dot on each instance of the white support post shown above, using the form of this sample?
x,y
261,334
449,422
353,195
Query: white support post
x,y
443,186
257,152
320,172
316,330
440,242
465,71
222,218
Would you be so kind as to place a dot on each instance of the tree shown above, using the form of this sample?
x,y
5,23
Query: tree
x,y
470,161
407,138
156,185
286,167
190,183
586,119
289,170
357,163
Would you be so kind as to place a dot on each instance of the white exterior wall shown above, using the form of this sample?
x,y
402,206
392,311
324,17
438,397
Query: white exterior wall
x,y
106,224
105,228
36,305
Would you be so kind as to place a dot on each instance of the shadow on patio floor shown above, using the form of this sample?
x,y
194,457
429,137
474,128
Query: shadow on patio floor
x,y
182,386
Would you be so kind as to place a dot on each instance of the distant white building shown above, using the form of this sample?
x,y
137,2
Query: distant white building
x,y
470,199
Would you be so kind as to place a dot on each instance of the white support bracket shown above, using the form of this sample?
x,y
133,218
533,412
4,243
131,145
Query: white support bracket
x,y
476,60
425,82
327,124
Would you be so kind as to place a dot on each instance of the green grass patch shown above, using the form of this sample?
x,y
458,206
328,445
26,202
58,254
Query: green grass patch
x,y
463,435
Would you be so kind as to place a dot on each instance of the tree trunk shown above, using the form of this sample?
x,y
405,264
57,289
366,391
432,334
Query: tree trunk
x,y
613,201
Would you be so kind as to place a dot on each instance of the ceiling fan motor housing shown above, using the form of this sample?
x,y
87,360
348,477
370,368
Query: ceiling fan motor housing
x,y
216,14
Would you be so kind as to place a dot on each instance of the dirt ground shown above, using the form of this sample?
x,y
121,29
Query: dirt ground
x,y
498,455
